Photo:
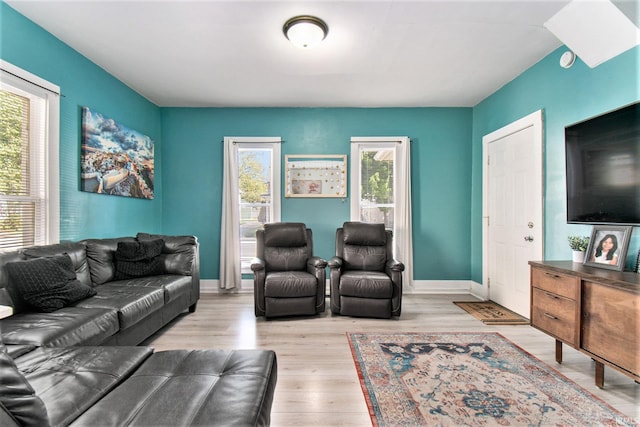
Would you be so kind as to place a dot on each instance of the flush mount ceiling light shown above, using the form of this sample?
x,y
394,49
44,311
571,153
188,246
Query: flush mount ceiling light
x,y
305,31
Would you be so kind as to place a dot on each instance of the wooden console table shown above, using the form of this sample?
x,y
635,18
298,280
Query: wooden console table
x,y
593,310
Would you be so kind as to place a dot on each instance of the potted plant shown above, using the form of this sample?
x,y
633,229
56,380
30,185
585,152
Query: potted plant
x,y
579,245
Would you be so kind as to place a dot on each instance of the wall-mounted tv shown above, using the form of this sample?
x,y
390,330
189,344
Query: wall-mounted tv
x,y
603,168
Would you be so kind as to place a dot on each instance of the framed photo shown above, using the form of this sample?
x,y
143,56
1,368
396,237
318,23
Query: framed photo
x,y
316,175
115,159
608,247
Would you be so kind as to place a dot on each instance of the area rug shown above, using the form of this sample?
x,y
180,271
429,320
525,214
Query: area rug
x,y
468,379
491,313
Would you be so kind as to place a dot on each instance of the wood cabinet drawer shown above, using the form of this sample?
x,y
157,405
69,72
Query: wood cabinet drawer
x,y
556,315
560,284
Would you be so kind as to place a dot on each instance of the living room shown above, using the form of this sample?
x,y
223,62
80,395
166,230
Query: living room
x,y
446,147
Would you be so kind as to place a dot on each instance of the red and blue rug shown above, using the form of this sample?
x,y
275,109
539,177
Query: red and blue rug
x,y
468,379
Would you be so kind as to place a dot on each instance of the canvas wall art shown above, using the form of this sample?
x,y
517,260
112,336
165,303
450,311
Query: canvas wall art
x,y
116,160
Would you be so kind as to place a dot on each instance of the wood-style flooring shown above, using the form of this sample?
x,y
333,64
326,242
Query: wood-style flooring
x,y
317,380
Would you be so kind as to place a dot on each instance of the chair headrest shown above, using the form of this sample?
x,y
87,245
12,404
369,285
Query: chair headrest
x,y
285,234
364,234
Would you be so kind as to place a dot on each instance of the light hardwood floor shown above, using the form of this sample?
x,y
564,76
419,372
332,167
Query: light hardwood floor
x,y
317,380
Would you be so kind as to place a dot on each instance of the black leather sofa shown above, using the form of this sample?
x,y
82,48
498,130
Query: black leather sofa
x,y
78,364
122,312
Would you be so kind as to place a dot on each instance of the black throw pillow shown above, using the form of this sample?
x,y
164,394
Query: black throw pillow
x,y
47,284
138,259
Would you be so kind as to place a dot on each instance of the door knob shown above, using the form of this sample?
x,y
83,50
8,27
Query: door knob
x,y
528,238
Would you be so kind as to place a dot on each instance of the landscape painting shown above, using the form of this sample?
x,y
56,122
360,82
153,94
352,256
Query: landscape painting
x,y
115,160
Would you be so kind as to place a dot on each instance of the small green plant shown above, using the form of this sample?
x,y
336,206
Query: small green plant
x,y
578,243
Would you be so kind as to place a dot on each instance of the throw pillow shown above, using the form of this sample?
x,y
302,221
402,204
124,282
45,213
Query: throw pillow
x,y
47,284
138,259
17,396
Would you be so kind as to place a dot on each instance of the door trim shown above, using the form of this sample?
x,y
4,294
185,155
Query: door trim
x,y
534,120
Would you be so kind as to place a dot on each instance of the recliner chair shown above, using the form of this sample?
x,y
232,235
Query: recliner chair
x,y
288,279
365,279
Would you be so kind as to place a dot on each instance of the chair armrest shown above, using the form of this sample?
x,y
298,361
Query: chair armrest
x,y
395,265
257,264
316,262
335,262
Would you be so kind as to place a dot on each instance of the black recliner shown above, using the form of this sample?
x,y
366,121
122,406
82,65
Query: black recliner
x,y
288,279
365,279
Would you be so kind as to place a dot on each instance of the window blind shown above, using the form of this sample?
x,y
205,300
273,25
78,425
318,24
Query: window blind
x,y
23,171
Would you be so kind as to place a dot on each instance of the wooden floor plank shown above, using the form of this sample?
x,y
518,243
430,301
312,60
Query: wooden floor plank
x,y
317,381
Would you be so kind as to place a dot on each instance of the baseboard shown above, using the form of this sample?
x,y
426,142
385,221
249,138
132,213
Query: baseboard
x,y
212,286
441,287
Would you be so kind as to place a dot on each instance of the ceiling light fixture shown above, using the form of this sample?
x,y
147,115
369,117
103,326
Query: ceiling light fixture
x,y
305,31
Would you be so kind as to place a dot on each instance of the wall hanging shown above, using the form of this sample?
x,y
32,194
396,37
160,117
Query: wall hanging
x,y
115,160
316,175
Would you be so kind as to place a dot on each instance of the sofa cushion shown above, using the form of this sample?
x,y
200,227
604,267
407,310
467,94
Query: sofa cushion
x,y
372,258
202,387
285,234
290,284
138,259
46,284
64,327
174,286
282,259
100,256
77,252
18,397
178,253
364,234
70,380
366,284
132,303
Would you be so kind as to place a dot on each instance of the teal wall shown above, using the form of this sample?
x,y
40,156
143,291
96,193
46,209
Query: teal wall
x,y
566,96
83,83
441,174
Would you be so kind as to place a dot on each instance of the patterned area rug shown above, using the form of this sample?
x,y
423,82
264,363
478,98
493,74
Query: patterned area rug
x,y
468,379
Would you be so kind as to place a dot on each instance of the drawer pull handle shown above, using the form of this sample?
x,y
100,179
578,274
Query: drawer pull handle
x,y
555,276
550,316
551,295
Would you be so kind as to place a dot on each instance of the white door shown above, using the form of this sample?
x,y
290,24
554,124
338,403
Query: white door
x,y
513,210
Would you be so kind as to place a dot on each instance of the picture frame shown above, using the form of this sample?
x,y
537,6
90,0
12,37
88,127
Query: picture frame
x,y
602,236
316,175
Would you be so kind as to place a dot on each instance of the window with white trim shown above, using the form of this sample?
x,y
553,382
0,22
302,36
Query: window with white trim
x,y
29,190
259,188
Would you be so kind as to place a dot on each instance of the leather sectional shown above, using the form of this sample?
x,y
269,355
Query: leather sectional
x,y
80,364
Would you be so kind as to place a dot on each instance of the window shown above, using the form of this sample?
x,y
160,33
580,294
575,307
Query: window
x,y
381,190
29,194
376,186
259,198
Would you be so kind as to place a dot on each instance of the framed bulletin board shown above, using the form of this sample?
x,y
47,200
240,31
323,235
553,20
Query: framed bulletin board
x,y
316,175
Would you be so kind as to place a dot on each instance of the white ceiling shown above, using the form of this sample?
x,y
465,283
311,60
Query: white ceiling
x,y
377,53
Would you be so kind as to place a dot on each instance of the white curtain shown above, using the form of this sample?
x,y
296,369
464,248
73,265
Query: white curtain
x,y
230,276
404,239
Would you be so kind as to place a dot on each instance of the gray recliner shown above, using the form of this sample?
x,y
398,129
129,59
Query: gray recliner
x,y
365,279
288,279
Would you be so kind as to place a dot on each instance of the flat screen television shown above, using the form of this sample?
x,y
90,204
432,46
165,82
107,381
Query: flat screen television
x,y
603,168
